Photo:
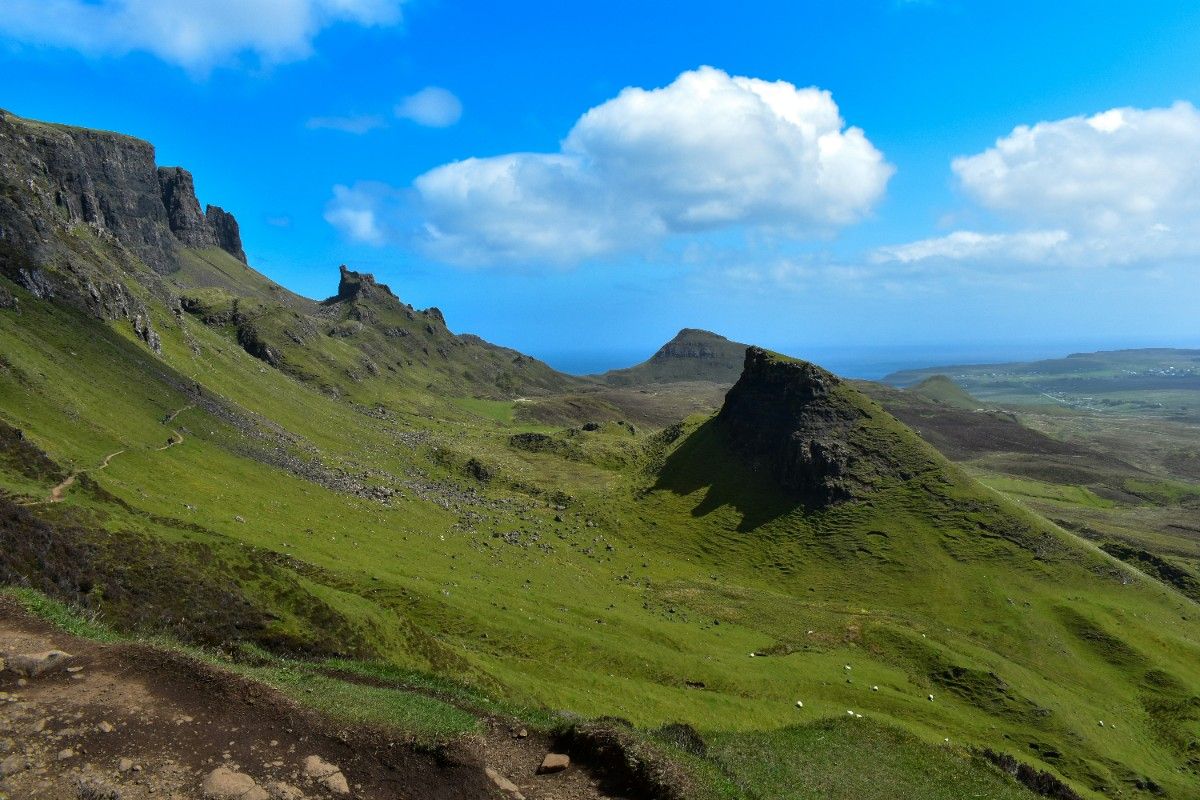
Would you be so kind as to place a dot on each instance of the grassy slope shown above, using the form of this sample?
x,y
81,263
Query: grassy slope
x,y
428,587
941,389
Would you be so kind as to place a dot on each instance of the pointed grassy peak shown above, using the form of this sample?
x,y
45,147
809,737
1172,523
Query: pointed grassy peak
x,y
695,343
815,435
692,355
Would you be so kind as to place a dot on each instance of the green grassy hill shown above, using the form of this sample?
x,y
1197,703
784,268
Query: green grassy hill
x,y
941,389
243,481
693,355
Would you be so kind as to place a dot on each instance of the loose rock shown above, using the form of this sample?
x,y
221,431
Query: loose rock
x,y
226,784
504,784
33,665
554,762
328,775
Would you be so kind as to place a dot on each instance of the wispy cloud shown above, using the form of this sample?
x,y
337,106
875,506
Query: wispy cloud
x,y
194,35
432,107
358,124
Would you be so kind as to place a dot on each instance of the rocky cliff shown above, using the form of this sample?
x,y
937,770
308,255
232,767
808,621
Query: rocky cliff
x,y
226,231
83,212
815,435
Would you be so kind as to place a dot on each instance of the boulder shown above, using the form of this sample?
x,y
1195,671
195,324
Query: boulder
x,y
224,783
328,775
33,665
317,768
554,762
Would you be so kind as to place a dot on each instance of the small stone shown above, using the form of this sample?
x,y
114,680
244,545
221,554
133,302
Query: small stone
x,y
124,765
931,698
1101,723
554,762
105,727
799,704
874,688
521,734
73,670
65,754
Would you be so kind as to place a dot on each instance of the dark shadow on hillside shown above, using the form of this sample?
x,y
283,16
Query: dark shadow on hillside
x,y
705,460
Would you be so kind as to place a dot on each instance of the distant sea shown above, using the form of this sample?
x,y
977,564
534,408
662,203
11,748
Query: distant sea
x,y
868,363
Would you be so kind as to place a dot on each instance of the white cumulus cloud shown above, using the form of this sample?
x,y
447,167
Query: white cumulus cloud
x,y
195,35
708,152
432,107
1118,187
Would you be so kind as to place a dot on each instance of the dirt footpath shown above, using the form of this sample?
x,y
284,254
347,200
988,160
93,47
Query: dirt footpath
x,y
128,722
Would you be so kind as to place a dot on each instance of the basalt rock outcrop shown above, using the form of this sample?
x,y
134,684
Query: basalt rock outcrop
x,y
813,434
183,209
216,227
360,286
225,230
83,211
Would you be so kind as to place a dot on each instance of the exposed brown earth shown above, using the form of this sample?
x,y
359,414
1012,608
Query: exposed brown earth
x,y
133,722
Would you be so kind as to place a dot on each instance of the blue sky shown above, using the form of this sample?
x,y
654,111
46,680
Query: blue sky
x,y
343,131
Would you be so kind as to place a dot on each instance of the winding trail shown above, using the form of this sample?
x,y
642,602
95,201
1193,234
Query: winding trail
x,y
171,417
59,492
